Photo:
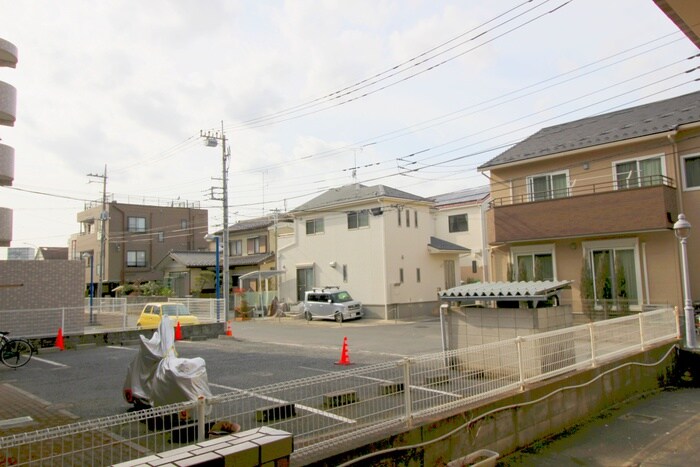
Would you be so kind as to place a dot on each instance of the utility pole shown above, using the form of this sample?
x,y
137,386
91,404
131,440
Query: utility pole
x,y
211,139
103,236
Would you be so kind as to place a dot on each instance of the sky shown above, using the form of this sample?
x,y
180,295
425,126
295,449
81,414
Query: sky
x,y
311,95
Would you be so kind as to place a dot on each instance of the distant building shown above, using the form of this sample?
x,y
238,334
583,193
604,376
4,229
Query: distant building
x,y
20,253
136,238
51,253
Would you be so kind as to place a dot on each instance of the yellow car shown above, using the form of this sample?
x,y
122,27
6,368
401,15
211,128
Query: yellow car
x,y
152,313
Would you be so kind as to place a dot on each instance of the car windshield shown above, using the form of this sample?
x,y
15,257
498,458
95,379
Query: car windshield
x,y
175,309
341,297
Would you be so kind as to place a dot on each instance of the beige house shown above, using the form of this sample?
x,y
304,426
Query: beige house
x,y
594,201
136,238
377,242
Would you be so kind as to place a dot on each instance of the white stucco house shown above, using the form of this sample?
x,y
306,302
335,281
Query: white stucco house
x,y
459,218
377,242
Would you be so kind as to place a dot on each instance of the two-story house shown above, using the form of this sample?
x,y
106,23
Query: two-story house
x,y
595,200
122,243
377,242
459,219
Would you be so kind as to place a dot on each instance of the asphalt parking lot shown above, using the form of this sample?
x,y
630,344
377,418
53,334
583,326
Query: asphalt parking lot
x,y
88,382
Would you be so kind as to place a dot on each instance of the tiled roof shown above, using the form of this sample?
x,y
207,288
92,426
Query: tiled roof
x,y
444,245
355,193
53,252
194,259
468,195
205,259
504,290
644,120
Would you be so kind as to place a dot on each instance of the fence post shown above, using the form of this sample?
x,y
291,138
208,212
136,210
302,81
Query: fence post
x,y
125,322
63,320
678,321
408,403
201,422
521,371
590,331
641,330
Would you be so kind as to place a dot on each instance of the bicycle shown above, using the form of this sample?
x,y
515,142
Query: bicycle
x,y
15,352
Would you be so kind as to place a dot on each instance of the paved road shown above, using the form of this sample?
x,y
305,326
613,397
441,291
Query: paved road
x,y
88,382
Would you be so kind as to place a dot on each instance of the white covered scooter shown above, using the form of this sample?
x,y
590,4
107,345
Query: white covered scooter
x,y
158,377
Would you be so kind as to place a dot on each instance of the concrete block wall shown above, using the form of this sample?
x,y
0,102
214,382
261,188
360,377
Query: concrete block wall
x,y
261,446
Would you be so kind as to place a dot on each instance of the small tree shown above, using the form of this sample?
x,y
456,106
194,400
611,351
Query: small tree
x,y
587,286
206,278
621,287
603,282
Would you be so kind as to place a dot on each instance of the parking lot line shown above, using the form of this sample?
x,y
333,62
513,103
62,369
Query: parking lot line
x,y
280,401
122,348
50,362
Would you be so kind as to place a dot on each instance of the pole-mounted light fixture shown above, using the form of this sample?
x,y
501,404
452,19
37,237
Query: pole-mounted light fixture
x,y
682,231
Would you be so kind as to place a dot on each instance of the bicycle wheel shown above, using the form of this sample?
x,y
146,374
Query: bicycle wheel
x,y
16,353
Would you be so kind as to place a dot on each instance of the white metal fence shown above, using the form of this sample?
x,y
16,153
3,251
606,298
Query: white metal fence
x,y
329,409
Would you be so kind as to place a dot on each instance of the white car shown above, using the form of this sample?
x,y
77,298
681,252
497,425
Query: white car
x,y
331,303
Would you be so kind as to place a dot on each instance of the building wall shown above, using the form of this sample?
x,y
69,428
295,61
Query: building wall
x,y
36,285
472,239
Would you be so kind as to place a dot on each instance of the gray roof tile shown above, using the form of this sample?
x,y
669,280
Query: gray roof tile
x,y
354,193
644,120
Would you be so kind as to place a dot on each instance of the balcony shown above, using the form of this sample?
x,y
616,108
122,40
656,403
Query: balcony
x,y
5,226
8,54
598,209
8,104
7,165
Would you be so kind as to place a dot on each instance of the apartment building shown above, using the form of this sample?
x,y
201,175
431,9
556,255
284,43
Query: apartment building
x,y
595,201
122,243
8,112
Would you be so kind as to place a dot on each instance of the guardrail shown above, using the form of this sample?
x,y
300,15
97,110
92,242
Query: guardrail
x,y
330,409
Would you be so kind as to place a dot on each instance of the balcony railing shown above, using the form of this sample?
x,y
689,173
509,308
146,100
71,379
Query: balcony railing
x,y
580,190
644,204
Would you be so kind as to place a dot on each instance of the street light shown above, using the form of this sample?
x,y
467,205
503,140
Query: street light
x,y
89,256
682,230
209,238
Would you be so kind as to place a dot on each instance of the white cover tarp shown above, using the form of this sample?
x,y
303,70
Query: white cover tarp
x,y
157,376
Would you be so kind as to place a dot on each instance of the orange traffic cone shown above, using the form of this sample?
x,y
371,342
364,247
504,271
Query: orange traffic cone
x,y
344,357
59,339
178,332
229,332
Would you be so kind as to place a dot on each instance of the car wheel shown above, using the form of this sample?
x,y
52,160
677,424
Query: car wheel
x,y
338,317
307,315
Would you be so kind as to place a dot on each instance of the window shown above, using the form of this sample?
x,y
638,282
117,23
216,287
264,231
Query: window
x,y
314,226
475,267
638,173
161,237
533,263
458,223
408,217
418,275
691,169
237,248
257,245
183,224
399,212
614,270
345,272
357,219
415,219
401,275
136,224
136,259
548,186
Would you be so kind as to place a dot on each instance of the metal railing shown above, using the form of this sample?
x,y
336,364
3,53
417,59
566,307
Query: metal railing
x,y
587,189
330,409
